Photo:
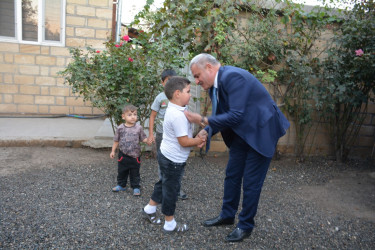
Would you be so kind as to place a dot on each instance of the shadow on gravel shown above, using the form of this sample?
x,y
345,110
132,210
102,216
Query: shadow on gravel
x,y
61,198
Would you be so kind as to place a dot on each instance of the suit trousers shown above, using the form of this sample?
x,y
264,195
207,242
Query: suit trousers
x,y
246,168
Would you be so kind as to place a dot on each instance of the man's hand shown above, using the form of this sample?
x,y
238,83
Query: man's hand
x,y
202,141
193,117
203,135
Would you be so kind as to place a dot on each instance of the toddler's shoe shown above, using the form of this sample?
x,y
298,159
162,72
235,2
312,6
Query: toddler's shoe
x,y
118,188
136,192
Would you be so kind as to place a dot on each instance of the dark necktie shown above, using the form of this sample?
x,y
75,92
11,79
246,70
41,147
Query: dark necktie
x,y
214,108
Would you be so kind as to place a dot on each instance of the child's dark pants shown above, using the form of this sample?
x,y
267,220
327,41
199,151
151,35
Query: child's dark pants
x,y
128,166
166,189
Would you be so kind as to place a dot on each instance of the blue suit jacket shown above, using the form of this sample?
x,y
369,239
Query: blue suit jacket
x,y
246,108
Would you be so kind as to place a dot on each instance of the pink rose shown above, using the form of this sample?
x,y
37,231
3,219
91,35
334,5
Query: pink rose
x,y
359,52
117,45
130,59
126,38
98,51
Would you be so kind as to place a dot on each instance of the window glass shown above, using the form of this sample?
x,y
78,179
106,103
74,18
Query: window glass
x,y
30,20
33,21
52,20
7,21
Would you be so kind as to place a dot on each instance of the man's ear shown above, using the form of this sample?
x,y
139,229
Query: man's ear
x,y
208,66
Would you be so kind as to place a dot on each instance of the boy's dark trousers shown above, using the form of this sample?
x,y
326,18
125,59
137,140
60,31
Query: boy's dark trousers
x,y
158,139
128,166
166,189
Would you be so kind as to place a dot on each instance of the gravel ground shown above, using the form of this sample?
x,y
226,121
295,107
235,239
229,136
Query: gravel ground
x,y
61,198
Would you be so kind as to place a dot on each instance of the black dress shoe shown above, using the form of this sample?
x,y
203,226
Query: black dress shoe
x,y
237,235
218,221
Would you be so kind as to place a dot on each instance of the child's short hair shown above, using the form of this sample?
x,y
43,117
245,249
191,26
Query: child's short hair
x,y
129,107
175,83
167,73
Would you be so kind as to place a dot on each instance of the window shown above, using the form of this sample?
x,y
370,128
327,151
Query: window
x,y
7,18
33,21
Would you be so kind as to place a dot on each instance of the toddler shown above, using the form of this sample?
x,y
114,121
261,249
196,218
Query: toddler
x,y
128,137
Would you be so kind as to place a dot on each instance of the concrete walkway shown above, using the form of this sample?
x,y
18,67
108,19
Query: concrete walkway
x,y
58,132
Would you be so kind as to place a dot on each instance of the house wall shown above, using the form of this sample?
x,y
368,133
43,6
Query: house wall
x,y
29,83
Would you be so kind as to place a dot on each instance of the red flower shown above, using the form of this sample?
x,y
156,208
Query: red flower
x,y
98,51
126,38
117,45
130,59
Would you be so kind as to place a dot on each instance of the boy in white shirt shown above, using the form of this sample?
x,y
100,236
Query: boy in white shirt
x,y
158,108
174,151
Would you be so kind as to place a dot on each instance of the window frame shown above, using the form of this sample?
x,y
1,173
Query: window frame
x,y
41,26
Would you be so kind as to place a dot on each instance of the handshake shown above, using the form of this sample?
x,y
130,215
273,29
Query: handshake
x,y
202,135
197,119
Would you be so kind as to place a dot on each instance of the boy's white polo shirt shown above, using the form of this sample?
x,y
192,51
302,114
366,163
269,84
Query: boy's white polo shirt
x,y
175,125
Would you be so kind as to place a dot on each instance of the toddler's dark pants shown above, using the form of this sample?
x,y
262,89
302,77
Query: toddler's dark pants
x,y
128,166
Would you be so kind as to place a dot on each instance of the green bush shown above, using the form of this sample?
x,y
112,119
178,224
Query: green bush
x,y
123,73
349,78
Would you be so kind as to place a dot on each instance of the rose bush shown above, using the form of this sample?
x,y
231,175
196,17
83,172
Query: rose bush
x,y
125,72
349,79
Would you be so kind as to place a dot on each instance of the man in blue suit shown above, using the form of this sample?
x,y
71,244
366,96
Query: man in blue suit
x,y
251,124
